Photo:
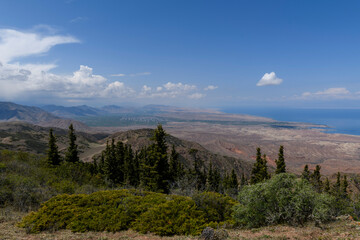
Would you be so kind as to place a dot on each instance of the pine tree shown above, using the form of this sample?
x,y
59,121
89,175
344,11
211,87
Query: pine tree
x,y
259,172
72,152
327,186
175,167
213,179
234,184
197,174
154,164
316,178
344,187
148,173
53,157
337,185
112,169
306,173
162,164
280,162
131,167
264,171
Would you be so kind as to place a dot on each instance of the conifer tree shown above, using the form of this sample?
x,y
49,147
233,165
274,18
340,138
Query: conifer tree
x,y
131,167
112,169
327,186
337,185
234,184
344,187
264,171
148,173
162,164
259,172
197,174
175,167
213,179
306,173
53,157
316,178
155,166
72,151
280,162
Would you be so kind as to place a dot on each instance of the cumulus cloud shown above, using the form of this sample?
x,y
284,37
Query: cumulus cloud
x,y
269,79
19,80
15,44
340,92
210,87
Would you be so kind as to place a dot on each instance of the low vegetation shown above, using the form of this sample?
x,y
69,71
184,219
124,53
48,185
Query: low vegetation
x,y
152,191
123,209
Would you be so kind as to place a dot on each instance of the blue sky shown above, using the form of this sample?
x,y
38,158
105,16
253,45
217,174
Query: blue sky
x,y
184,53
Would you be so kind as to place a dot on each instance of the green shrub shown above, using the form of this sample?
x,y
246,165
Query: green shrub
x,y
217,207
123,209
282,199
177,216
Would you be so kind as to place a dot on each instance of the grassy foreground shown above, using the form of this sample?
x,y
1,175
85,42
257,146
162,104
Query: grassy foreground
x,y
341,229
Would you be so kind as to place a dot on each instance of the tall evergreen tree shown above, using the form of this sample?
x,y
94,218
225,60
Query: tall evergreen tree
x,y
175,167
131,167
197,174
327,186
148,173
259,172
306,173
213,179
344,187
316,178
155,166
72,151
234,184
337,185
264,171
280,162
112,169
53,157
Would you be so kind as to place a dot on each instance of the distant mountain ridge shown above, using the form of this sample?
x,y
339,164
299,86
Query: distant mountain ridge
x,y
12,112
114,110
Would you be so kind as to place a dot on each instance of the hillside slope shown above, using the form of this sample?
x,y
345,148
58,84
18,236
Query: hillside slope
x,y
32,138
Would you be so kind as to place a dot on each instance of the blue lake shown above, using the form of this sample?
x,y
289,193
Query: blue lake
x,y
346,121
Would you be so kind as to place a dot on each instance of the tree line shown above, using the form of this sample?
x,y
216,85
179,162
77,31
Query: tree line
x,y
154,169
151,168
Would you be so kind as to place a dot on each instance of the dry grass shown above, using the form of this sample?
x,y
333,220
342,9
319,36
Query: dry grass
x,y
344,229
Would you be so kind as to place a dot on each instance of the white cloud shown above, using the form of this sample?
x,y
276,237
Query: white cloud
x,y
178,87
210,87
15,44
269,79
333,91
117,89
196,95
340,92
168,90
26,81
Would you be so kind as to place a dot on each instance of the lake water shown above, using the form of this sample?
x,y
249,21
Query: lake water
x,y
346,121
